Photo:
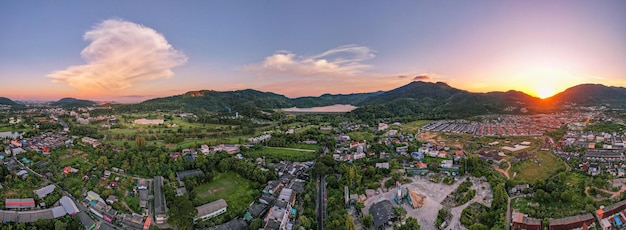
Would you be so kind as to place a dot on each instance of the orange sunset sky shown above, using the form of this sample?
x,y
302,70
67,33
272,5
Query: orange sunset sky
x,y
132,51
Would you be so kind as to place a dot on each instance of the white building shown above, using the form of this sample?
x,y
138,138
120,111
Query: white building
x,y
211,210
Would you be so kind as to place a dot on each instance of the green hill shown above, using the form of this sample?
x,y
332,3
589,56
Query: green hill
x,y
73,102
6,101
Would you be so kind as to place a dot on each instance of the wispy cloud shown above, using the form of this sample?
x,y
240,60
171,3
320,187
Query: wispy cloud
x,y
341,61
120,55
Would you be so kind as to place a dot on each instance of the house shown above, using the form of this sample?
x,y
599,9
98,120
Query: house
x,y
142,184
210,210
571,222
382,213
69,169
43,192
22,173
17,151
384,165
91,141
112,199
446,164
287,195
272,187
521,221
277,218
205,149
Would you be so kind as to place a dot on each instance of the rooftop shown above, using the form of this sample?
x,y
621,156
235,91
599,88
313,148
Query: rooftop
x,y
211,207
571,219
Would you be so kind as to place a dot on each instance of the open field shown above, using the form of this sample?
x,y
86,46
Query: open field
x,y
229,186
414,126
282,154
530,171
359,136
303,146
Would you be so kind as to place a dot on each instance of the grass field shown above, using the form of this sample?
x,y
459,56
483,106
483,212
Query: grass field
x,y
71,161
229,186
303,146
529,171
415,125
281,154
359,136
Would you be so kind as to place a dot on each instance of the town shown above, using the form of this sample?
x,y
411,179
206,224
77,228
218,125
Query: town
x,y
114,170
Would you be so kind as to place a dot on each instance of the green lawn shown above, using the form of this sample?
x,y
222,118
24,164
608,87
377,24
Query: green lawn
x,y
281,154
529,171
236,190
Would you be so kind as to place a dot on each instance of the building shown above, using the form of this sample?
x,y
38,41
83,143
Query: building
x,y
210,210
68,205
19,203
160,207
287,195
91,141
180,176
382,213
571,222
608,215
521,221
142,184
43,192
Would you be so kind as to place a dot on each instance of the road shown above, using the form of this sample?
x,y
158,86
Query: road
x,y
321,202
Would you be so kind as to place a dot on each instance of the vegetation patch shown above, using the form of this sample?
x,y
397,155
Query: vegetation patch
x,y
532,170
230,186
275,154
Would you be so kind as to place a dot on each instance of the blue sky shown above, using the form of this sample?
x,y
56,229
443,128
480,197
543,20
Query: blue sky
x,y
300,48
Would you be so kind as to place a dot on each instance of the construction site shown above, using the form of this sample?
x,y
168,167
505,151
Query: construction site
x,y
422,199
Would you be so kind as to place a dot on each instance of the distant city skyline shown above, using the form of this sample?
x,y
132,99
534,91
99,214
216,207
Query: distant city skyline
x,y
133,51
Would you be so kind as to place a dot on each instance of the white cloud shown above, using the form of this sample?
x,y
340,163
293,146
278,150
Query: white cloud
x,y
341,61
121,54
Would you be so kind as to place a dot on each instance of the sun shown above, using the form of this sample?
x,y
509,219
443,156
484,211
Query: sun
x,y
545,92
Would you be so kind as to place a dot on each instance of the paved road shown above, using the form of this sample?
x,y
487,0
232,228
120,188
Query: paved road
x,y
321,202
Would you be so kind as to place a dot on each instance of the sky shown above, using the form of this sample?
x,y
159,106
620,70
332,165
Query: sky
x,y
131,51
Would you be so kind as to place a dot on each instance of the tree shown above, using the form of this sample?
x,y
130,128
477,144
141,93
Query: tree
x,y
368,220
349,223
257,223
140,142
181,213
102,162
478,226
304,222
399,211
410,224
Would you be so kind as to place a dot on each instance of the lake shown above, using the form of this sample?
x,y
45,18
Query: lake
x,y
339,108
12,135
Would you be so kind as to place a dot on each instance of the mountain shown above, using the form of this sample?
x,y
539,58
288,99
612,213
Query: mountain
x,y
590,95
6,101
425,100
416,100
246,102
332,99
73,102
